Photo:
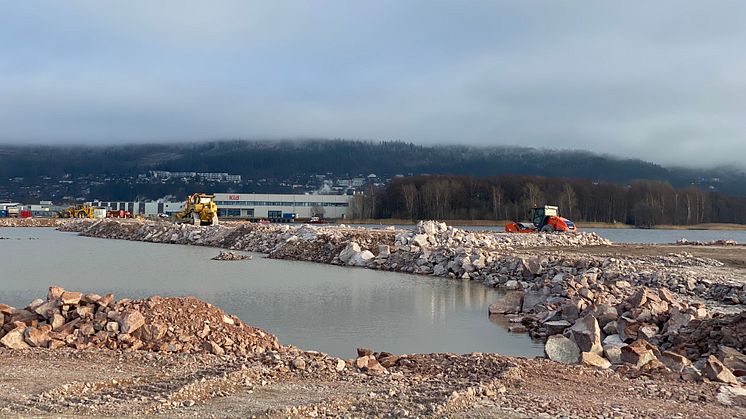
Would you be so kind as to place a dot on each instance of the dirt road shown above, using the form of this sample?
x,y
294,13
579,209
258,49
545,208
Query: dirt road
x,y
69,383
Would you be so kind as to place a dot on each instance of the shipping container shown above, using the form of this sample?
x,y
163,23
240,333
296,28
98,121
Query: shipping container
x,y
25,214
3,213
288,216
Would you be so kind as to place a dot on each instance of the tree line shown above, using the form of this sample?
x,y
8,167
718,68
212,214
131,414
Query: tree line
x,y
643,203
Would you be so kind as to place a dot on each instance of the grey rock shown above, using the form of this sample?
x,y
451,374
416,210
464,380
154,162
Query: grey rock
x,y
561,349
587,335
510,303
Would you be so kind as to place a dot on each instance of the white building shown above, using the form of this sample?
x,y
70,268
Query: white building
x,y
249,206
279,206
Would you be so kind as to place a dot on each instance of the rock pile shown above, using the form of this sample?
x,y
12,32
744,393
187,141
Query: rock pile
x,y
229,255
30,222
650,330
685,242
83,321
432,248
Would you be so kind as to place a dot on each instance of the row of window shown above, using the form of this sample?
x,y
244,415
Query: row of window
x,y
282,204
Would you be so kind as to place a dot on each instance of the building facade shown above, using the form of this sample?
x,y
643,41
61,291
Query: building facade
x,y
250,206
275,206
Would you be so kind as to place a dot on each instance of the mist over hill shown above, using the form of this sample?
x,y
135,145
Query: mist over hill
x,y
346,158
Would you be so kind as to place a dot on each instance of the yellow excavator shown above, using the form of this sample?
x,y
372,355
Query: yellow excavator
x,y
78,211
199,209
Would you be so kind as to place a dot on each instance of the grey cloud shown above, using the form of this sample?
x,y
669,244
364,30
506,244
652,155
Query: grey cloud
x,y
660,81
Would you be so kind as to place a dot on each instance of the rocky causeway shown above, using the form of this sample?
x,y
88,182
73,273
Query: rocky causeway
x,y
649,332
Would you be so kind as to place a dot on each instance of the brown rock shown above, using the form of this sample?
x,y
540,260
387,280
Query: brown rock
x,y
130,321
69,326
36,338
57,320
674,361
14,339
362,361
638,353
364,352
369,364
55,293
84,311
677,320
106,300
716,371
6,309
375,368
90,298
86,329
510,303
154,332
666,296
70,297
647,331
732,358
56,344
388,361
594,360
47,309
212,348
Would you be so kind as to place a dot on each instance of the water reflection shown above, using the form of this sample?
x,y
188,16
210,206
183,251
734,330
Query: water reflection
x,y
313,306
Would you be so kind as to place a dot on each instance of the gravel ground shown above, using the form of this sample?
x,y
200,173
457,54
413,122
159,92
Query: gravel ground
x,y
70,383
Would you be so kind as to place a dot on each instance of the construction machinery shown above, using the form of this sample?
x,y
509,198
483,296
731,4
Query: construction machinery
x,y
78,211
546,218
199,209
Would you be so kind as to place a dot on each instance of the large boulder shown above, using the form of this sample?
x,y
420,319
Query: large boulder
x,y
587,335
349,251
678,319
510,303
675,362
716,371
627,328
14,339
613,349
605,314
638,353
531,300
130,321
561,349
733,359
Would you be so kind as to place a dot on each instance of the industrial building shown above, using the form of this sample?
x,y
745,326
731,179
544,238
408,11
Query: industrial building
x,y
274,206
250,206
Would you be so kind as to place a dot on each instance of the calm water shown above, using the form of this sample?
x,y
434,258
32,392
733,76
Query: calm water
x,y
309,305
636,235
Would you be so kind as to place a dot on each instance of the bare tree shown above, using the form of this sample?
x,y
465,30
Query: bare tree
x,y
409,192
497,201
568,200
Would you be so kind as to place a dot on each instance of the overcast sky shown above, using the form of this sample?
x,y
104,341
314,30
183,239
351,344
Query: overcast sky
x,y
664,81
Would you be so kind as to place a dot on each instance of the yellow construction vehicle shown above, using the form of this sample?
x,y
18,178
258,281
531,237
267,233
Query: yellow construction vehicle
x,y
78,211
199,209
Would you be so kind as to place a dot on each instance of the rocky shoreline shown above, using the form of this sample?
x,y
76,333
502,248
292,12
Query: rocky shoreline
x,y
598,310
31,222
75,354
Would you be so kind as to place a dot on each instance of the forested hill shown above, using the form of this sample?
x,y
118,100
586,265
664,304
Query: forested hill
x,y
287,159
